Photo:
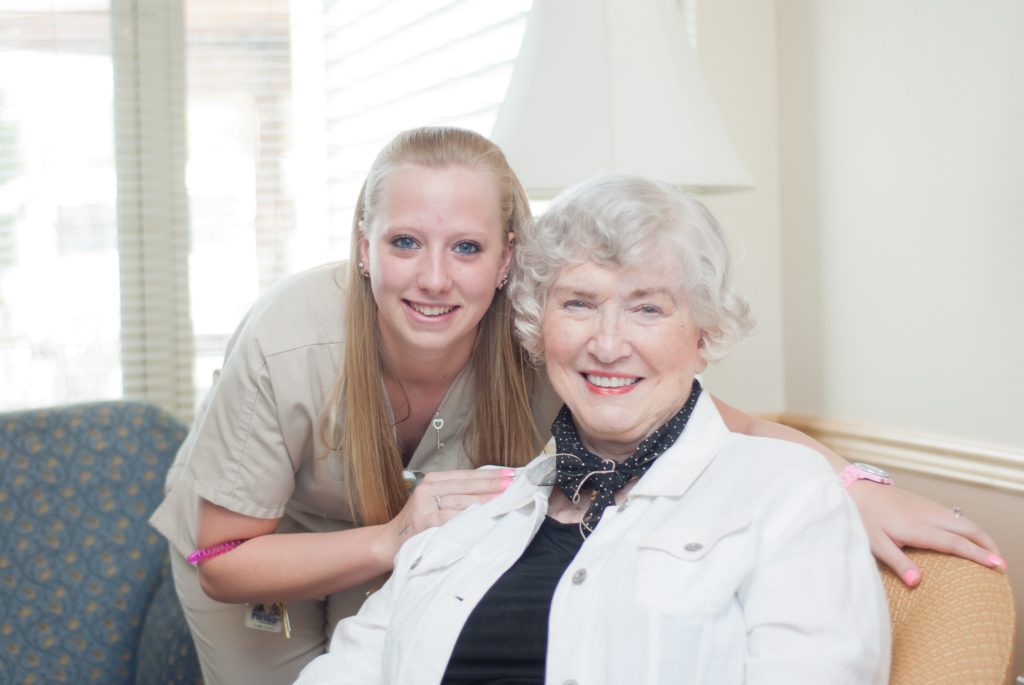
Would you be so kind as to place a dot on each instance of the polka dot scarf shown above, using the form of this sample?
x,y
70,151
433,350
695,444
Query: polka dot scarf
x,y
579,469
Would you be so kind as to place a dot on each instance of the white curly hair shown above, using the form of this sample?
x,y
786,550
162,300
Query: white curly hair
x,y
625,221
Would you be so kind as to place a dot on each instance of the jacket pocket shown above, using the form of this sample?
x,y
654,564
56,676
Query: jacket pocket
x,y
693,569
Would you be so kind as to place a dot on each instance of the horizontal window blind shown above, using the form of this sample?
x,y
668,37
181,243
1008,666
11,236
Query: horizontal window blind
x,y
152,218
240,138
157,177
288,104
395,65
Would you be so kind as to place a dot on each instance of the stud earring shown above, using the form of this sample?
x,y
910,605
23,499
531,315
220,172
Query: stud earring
x,y
362,268
504,282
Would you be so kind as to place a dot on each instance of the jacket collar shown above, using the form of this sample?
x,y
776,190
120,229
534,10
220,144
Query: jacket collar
x,y
532,484
680,466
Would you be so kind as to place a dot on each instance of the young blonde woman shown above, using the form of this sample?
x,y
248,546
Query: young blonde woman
x,y
343,377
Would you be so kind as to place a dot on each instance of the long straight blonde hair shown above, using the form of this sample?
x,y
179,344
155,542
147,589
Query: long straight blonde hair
x,y
502,430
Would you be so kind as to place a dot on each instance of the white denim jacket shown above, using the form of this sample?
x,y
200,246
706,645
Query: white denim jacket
x,y
733,560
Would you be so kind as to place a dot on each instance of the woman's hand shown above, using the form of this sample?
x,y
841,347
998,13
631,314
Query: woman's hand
x,y
441,496
895,518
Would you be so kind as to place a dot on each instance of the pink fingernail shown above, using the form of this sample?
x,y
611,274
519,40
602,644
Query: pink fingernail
x,y
505,482
911,577
508,473
996,561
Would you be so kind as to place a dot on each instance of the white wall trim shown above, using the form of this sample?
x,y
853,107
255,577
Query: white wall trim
x,y
998,467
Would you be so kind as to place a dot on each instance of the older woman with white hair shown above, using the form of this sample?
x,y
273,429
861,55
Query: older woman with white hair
x,y
655,546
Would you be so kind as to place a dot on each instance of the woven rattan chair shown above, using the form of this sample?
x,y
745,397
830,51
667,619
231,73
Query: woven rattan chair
x,y
955,628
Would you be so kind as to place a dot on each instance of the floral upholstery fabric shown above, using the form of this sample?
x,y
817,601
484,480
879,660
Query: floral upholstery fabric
x,y
79,564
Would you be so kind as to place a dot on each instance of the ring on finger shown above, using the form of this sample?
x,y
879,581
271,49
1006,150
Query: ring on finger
x,y
437,501
958,513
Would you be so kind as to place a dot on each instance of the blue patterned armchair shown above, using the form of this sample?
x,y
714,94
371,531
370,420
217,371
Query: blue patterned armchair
x,y
86,594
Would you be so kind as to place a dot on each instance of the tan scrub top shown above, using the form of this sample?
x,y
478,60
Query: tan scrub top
x,y
254,446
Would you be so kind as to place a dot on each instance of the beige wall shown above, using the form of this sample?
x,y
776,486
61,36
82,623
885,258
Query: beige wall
x,y
902,179
902,221
883,247
737,55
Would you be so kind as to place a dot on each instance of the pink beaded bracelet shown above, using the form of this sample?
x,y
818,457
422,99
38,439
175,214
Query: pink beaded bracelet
x,y
213,551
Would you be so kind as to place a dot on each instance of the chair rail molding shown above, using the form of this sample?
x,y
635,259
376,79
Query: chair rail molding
x,y
993,466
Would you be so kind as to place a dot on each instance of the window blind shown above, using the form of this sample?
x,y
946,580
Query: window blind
x,y
157,177
152,216
398,64
240,137
288,104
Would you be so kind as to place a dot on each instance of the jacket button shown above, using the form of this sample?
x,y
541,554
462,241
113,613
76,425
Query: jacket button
x,y
693,547
578,578
415,563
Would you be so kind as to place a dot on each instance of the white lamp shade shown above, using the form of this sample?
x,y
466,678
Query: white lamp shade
x,y
612,86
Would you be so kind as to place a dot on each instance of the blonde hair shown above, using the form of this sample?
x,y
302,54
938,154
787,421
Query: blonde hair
x,y
502,429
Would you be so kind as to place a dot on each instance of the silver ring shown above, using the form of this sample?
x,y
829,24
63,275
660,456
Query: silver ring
x,y
958,513
437,501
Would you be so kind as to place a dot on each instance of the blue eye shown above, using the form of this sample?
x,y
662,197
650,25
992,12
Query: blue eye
x,y
404,242
648,309
575,304
466,247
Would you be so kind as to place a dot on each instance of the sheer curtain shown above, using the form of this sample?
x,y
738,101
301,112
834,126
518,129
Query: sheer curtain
x,y
162,162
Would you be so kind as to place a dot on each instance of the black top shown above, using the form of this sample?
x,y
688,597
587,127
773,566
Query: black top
x,y
505,639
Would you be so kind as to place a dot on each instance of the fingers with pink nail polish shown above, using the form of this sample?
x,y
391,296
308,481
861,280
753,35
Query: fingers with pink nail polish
x,y
996,561
911,577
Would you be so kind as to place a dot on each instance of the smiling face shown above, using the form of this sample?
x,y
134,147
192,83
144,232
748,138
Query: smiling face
x,y
621,349
435,251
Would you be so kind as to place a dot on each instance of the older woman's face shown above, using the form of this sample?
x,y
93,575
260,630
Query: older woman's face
x,y
621,350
